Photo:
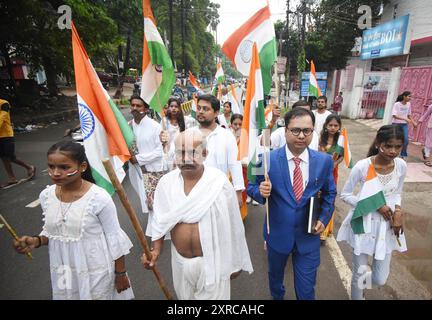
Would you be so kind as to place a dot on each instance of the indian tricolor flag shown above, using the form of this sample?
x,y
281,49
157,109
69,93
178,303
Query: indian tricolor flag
x,y
193,82
158,72
343,148
105,130
253,115
314,89
232,97
238,48
219,76
371,198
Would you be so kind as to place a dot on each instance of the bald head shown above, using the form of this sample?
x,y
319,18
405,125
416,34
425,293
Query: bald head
x,y
191,149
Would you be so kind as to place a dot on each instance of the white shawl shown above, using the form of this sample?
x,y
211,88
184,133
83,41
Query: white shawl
x,y
213,204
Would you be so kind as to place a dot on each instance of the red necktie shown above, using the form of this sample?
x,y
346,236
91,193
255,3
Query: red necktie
x,y
298,179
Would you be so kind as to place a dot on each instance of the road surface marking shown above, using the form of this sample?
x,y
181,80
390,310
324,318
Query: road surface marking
x,y
33,204
340,263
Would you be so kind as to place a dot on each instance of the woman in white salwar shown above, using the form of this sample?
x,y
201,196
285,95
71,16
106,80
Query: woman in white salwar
x,y
85,241
383,228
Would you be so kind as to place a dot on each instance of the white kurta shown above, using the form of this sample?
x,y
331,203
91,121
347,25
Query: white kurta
x,y
222,154
148,144
379,238
320,119
84,245
212,203
278,139
150,154
223,121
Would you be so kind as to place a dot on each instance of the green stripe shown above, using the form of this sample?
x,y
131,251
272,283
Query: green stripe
x,y
339,149
102,182
259,117
159,56
193,114
313,91
125,128
251,177
268,56
363,208
221,79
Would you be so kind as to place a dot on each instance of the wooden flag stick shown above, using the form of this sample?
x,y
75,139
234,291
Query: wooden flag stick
x,y
135,222
14,234
266,178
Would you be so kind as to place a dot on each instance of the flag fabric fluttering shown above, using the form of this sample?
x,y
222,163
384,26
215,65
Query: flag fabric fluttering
x,y
158,77
238,48
314,89
232,97
253,116
343,148
105,130
219,76
370,199
193,82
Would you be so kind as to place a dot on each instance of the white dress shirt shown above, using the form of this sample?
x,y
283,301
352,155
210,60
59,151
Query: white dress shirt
x,y
278,139
304,165
222,154
320,119
223,121
148,144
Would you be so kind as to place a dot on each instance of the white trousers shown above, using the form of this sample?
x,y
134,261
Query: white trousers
x,y
363,278
189,280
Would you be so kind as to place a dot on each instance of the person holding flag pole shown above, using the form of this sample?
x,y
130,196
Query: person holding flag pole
x,y
334,141
374,224
149,156
302,173
79,212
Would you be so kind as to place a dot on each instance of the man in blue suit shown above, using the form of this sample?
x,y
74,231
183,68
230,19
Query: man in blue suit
x,y
296,173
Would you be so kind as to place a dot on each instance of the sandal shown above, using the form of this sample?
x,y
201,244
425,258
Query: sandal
x,y
428,163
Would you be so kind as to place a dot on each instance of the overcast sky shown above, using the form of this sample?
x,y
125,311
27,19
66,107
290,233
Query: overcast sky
x,y
233,13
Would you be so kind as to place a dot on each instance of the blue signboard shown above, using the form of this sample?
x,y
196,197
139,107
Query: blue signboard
x,y
321,79
387,39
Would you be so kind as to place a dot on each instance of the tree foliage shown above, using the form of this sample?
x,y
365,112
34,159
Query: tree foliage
x,y
29,30
330,36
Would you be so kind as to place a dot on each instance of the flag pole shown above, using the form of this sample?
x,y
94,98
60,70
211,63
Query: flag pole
x,y
135,223
266,178
14,234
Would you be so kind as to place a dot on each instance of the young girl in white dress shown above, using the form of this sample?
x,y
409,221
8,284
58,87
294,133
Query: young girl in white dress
x,y
381,238
85,241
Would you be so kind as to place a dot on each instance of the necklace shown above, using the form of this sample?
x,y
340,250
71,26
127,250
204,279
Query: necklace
x,y
64,210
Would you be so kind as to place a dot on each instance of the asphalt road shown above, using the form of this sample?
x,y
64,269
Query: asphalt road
x,y
24,279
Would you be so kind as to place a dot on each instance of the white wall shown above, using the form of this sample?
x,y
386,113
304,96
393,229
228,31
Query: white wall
x,y
392,94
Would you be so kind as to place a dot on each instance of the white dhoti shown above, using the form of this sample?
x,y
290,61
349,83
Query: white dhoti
x,y
212,203
189,279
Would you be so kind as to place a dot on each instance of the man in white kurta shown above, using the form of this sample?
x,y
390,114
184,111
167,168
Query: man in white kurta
x,y
147,162
196,206
221,144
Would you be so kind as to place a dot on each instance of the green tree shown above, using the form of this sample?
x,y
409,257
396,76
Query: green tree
x,y
29,29
335,27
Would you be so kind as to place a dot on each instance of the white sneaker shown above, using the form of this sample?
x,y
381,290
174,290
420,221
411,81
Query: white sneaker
x,y
254,203
248,199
